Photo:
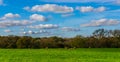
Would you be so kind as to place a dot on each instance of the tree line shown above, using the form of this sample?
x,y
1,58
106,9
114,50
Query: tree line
x,y
100,38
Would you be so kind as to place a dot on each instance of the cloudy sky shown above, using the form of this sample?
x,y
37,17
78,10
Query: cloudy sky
x,y
64,18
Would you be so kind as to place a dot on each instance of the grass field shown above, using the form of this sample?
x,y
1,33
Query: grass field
x,y
60,55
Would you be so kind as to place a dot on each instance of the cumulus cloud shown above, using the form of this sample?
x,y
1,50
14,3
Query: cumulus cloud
x,y
10,23
7,30
85,9
70,29
44,26
30,32
52,8
10,15
91,9
35,32
37,17
101,22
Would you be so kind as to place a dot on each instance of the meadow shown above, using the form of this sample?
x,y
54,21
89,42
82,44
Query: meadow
x,y
60,55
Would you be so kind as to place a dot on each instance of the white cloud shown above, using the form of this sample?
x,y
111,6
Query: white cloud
x,y
52,8
26,8
91,9
44,26
101,22
67,15
1,2
7,31
23,32
10,23
118,1
70,29
35,32
10,15
37,17
85,9
100,9
30,32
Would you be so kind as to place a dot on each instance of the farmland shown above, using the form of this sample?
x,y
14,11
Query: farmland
x,y
60,55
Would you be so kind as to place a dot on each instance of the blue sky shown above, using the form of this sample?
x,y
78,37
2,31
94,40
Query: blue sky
x,y
64,18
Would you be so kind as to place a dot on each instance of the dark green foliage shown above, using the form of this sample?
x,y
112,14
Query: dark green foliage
x,y
101,38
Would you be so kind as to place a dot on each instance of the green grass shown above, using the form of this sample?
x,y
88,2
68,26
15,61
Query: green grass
x,y
60,55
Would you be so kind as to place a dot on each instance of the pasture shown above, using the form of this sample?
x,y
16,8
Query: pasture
x,y
60,55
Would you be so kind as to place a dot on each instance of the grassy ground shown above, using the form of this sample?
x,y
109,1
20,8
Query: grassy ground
x,y
60,55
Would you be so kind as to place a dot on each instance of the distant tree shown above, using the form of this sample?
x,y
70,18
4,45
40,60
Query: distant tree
x,y
77,42
115,33
23,42
35,43
101,38
100,33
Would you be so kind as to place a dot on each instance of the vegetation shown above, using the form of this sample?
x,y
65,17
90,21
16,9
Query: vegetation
x,y
101,38
60,55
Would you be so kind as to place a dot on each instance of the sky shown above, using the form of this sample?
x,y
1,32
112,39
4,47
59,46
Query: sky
x,y
64,18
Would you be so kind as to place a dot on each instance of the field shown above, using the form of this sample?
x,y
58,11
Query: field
x,y
60,55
